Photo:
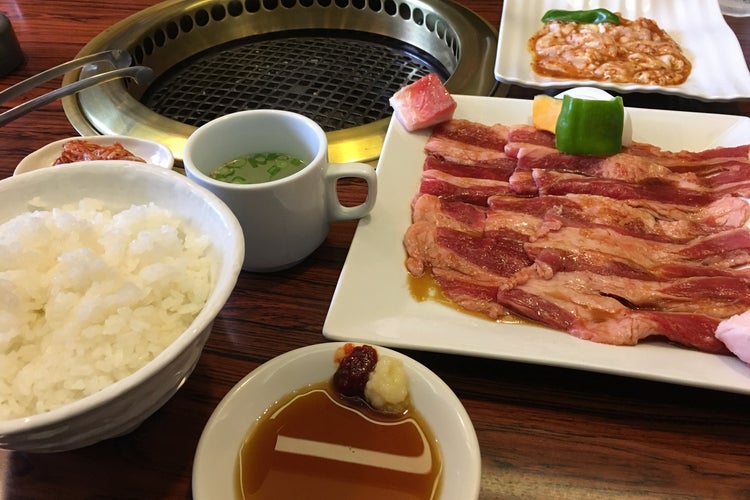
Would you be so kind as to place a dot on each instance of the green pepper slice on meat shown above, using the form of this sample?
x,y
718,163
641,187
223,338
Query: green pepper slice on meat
x,y
593,16
590,126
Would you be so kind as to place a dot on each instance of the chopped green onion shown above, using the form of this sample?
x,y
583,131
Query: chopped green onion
x,y
258,167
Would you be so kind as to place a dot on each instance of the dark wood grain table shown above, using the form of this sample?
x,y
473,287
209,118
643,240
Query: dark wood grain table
x,y
544,432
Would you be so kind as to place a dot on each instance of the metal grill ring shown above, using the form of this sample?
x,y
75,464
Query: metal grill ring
x,y
335,61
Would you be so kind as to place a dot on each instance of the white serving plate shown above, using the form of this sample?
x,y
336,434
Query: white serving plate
x,y
372,302
719,70
735,8
152,152
219,446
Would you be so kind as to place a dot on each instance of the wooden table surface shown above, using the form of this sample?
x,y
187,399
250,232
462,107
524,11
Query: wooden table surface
x,y
544,432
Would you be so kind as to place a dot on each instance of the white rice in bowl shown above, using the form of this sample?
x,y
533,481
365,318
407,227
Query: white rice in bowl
x,y
90,295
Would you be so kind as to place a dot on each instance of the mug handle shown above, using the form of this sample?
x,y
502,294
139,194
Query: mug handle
x,y
336,171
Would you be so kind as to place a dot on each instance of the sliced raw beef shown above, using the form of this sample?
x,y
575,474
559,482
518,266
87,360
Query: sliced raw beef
x,y
469,189
566,302
612,249
468,133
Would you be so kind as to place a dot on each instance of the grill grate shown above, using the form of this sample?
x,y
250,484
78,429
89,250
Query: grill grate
x,y
336,78
336,61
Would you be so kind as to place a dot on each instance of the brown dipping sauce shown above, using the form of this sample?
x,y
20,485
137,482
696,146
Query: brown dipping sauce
x,y
316,444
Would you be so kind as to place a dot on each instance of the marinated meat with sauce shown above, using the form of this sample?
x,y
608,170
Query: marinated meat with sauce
x,y
630,52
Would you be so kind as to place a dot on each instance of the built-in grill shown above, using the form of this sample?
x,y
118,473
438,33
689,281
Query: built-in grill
x,y
335,61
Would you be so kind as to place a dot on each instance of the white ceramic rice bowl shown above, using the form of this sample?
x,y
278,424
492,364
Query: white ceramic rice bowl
x,y
218,449
122,406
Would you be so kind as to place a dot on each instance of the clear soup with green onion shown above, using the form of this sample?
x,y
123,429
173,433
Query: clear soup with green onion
x,y
258,167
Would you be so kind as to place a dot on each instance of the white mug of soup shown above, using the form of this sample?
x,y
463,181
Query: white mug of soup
x,y
271,168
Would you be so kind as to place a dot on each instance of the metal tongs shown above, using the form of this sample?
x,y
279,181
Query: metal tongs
x,y
119,59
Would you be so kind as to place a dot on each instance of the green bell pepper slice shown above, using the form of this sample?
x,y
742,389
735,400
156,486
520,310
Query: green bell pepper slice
x,y
590,127
593,16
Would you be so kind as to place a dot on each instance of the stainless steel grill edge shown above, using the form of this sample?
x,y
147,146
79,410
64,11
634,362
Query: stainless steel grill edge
x,y
190,36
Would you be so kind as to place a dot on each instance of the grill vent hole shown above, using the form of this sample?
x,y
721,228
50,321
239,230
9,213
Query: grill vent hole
x,y
234,8
186,24
201,18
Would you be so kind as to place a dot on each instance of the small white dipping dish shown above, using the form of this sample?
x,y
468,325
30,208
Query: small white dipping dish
x,y
123,405
152,152
214,467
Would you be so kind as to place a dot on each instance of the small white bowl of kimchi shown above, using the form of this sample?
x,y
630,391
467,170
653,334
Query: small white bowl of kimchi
x,y
97,148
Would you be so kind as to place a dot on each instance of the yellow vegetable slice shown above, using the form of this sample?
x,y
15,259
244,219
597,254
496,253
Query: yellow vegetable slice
x,y
544,112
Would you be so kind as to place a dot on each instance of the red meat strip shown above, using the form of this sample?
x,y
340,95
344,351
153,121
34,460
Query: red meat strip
x,y
490,257
717,296
442,212
552,260
724,250
730,176
468,133
643,218
499,169
691,160
656,189
462,153
530,135
469,294
620,166
604,319
468,189
451,237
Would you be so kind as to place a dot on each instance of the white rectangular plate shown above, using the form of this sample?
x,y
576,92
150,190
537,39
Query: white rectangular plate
x,y
373,304
719,70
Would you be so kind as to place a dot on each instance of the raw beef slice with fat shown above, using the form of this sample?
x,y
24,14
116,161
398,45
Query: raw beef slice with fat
x,y
423,103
